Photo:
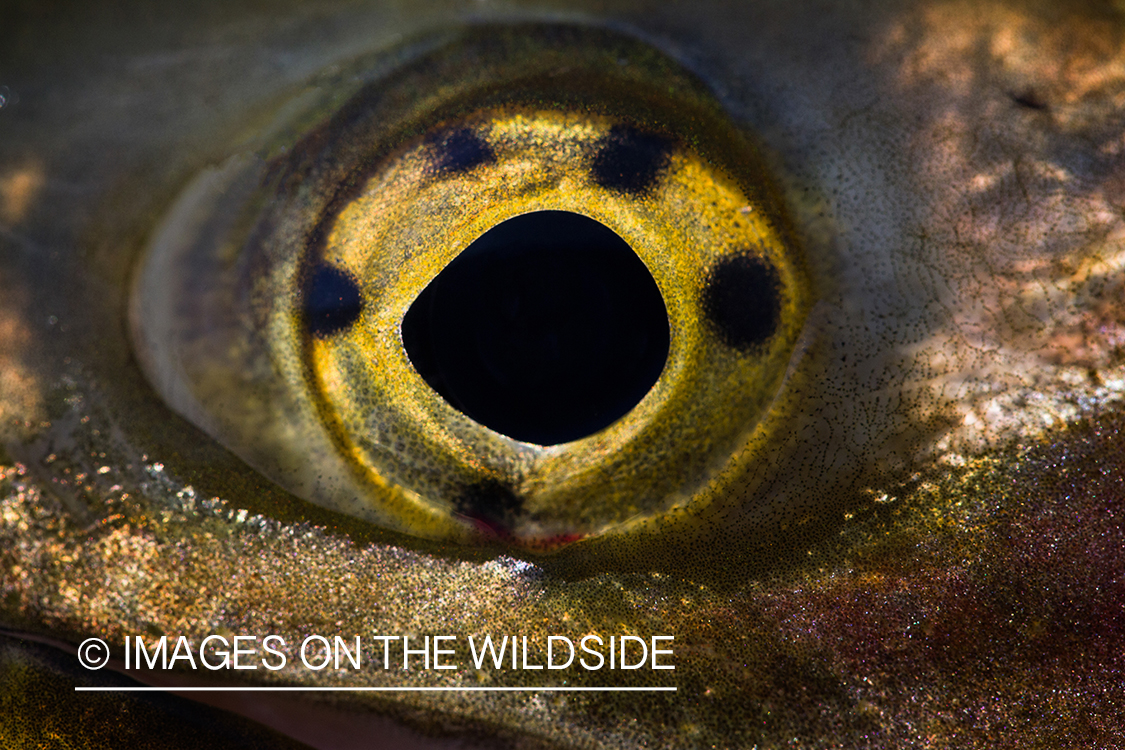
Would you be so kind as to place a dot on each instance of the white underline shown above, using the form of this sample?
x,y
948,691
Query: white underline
x,y
101,689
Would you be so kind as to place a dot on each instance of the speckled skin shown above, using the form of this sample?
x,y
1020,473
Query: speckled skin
x,y
941,563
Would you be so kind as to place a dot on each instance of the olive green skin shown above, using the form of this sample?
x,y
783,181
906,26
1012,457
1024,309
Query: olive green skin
x,y
947,568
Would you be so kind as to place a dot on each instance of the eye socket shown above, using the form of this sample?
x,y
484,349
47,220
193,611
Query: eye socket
x,y
310,309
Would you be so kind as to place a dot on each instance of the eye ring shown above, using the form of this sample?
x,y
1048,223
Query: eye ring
x,y
384,196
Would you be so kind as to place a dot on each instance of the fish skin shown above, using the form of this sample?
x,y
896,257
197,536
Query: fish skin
x,y
956,169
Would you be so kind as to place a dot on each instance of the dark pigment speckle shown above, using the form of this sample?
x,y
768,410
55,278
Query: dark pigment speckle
x,y
1029,100
462,150
630,160
742,300
332,301
490,503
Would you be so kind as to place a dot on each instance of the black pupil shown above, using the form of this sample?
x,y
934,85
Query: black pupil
x,y
546,329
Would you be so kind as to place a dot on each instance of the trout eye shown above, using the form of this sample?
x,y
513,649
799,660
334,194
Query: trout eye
x,y
551,297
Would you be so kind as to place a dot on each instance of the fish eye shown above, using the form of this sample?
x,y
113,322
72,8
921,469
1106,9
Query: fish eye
x,y
527,285
945,182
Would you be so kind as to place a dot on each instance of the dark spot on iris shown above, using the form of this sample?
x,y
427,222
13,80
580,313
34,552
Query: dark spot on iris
x,y
491,504
332,301
630,160
546,329
1030,100
742,300
462,150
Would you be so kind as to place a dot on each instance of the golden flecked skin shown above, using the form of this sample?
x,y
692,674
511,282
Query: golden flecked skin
x,y
954,170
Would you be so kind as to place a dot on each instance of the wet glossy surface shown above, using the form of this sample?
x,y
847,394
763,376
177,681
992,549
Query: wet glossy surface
x,y
954,175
